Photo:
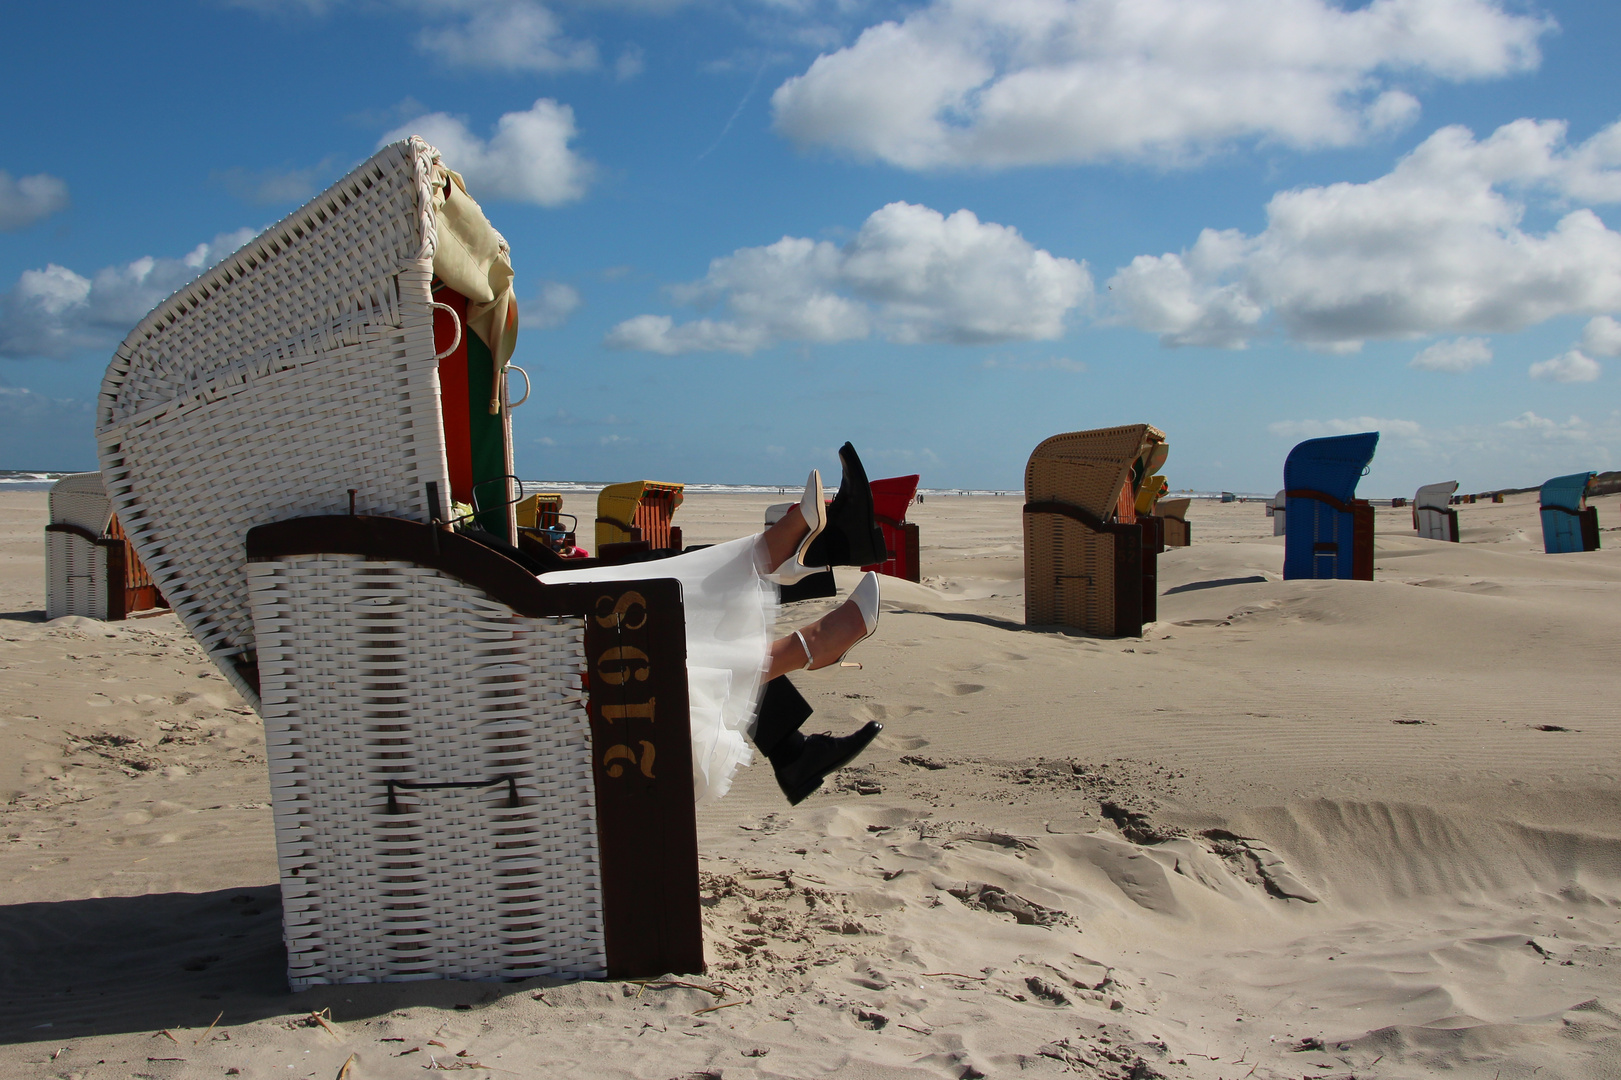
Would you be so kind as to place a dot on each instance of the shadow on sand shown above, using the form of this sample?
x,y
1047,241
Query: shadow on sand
x,y
76,968
1195,586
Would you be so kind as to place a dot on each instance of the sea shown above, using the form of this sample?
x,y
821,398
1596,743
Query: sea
x,y
24,480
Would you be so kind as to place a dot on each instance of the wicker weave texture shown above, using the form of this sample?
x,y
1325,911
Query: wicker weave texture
x,y
1069,569
374,671
1087,468
297,369
75,577
81,500
1069,575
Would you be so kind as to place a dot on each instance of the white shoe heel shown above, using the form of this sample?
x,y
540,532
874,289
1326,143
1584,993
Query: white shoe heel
x,y
865,597
813,507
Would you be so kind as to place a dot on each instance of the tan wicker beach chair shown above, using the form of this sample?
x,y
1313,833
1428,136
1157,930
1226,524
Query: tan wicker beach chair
x,y
90,567
1175,513
466,773
1083,564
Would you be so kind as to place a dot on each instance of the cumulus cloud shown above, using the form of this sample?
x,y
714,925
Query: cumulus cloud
x,y
1569,367
1602,337
1317,429
1453,357
514,35
1518,451
55,311
997,83
1434,246
552,305
528,159
910,275
1574,429
27,199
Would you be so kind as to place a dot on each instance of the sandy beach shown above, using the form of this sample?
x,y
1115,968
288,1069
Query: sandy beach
x,y
1298,829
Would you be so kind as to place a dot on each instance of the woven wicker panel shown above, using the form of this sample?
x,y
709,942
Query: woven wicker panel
x,y
1069,575
327,261
374,671
75,577
298,368
80,500
1087,468
1069,569
191,479
1436,524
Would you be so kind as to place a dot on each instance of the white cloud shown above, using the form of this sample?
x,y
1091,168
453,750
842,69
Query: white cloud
x,y
528,159
1434,246
997,83
1545,431
632,61
1453,357
1517,452
513,35
55,311
909,275
1573,366
552,305
1602,337
27,199
1317,429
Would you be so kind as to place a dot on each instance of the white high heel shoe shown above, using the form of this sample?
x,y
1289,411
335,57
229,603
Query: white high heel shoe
x,y
865,597
813,507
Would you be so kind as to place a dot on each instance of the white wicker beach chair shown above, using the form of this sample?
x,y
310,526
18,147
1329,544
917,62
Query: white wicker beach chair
x,y
90,568
1433,516
468,776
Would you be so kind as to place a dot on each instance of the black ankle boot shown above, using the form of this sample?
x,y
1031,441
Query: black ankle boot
x,y
852,536
801,762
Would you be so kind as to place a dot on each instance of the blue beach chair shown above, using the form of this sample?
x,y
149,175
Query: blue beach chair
x,y
1568,524
1329,531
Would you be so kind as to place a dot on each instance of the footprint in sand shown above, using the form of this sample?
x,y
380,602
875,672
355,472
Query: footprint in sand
x,y
962,689
871,710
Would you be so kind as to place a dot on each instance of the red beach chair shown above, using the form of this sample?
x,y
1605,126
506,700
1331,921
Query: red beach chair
x,y
890,498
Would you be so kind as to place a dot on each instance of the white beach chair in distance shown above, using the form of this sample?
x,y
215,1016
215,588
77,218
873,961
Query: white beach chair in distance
x,y
1280,514
466,774
1433,515
90,568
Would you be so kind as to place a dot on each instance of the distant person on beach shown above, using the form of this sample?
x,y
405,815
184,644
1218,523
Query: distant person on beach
x,y
735,668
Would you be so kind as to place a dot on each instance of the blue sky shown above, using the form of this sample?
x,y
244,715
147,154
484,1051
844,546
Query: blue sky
x,y
747,230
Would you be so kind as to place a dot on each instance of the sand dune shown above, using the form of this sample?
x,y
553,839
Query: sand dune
x,y
1298,829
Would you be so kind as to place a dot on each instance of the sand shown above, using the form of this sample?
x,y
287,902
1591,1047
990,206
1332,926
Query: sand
x,y
1298,829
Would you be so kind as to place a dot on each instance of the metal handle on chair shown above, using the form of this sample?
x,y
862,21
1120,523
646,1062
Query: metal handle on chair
x,y
457,322
405,785
527,386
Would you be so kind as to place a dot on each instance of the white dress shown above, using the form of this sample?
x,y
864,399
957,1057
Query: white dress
x,y
731,611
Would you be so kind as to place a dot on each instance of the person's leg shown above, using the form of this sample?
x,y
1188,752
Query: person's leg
x,y
784,538
801,762
825,641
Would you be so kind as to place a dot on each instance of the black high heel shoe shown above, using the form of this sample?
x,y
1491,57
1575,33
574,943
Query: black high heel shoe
x,y
802,762
852,536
